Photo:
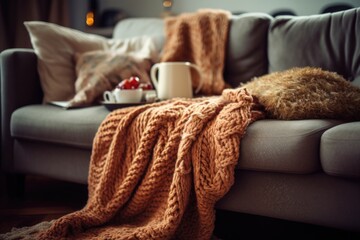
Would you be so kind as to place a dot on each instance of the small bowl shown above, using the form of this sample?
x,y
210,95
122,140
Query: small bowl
x,y
128,95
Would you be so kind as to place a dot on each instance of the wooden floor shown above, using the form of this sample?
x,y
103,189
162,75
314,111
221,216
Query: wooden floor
x,y
47,199
235,226
43,200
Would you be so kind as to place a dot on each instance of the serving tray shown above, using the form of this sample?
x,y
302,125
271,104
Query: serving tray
x,y
113,106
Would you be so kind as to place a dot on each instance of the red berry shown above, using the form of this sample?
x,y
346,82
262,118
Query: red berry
x,y
134,82
146,86
124,84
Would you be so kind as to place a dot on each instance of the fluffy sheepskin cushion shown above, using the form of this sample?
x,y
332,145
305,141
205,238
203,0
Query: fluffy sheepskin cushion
x,y
306,93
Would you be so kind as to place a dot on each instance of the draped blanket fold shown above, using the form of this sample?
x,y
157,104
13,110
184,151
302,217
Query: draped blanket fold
x,y
157,170
199,38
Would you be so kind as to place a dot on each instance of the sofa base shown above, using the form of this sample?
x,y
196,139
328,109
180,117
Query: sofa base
x,y
51,160
317,199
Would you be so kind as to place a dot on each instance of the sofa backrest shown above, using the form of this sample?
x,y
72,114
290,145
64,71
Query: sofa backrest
x,y
134,27
329,41
246,53
259,43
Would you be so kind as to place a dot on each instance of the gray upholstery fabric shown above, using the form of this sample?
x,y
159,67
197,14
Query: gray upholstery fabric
x,y
246,54
356,82
313,198
20,86
340,150
52,160
328,41
47,123
283,146
134,27
269,145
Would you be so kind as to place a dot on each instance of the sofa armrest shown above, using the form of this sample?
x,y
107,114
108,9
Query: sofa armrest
x,y
19,86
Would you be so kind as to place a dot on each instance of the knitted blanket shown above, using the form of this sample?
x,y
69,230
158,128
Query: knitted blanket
x,y
157,170
199,38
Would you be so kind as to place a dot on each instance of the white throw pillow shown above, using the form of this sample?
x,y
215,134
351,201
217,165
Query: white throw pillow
x,y
55,47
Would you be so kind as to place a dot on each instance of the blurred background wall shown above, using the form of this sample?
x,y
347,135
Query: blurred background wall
x,y
153,8
72,13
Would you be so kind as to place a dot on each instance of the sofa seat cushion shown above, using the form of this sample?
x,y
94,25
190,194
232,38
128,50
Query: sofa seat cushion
x,y
340,150
269,145
47,123
283,146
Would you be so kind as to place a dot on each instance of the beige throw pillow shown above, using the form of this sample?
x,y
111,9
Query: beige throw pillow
x,y
98,71
306,93
55,47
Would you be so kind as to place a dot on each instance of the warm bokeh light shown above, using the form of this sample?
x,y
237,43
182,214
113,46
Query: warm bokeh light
x,y
167,3
90,19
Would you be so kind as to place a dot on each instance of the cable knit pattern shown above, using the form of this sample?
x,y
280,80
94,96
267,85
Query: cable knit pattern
x,y
199,38
157,170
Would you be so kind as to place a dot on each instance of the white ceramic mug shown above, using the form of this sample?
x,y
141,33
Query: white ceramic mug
x,y
123,96
174,79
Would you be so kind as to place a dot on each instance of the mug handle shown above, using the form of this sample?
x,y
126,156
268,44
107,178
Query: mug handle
x,y
201,78
109,97
154,68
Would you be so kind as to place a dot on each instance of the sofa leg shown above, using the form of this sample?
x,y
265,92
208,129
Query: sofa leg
x,y
15,184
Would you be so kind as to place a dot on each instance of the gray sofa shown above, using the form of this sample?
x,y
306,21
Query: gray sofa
x,y
304,170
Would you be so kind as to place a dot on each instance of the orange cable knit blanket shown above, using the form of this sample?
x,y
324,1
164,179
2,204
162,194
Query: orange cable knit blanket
x,y
199,38
157,170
